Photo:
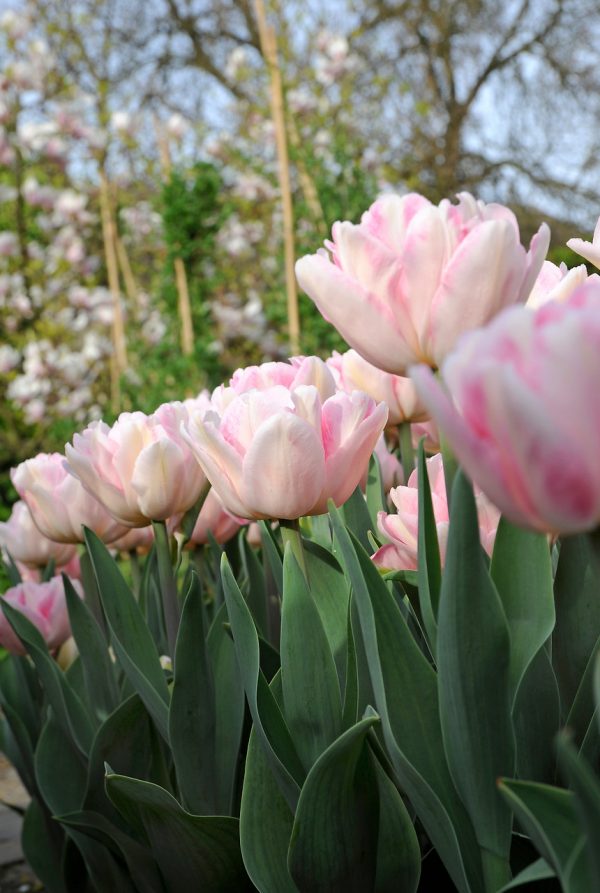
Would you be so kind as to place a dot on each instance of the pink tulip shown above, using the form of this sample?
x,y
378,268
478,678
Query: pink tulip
x,y
588,250
43,604
58,503
141,469
402,528
282,454
524,416
24,542
214,519
557,283
136,539
351,373
429,431
389,464
71,569
411,277
299,371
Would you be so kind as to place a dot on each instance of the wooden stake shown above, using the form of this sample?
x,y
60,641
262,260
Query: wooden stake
x,y
268,43
131,288
112,270
183,295
306,181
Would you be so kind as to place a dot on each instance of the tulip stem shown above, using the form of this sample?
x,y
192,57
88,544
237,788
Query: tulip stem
x,y
168,583
290,533
407,453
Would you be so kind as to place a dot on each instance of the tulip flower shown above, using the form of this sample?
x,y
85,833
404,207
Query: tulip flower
x,y
588,250
216,521
402,285
282,454
522,414
141,469
352,373
43,604
557,283
20,537
58,503
402,528
136,539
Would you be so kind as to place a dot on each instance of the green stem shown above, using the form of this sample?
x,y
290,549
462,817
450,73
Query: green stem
x,y
290,533
450,466
496,871
168,583
407,453
136,572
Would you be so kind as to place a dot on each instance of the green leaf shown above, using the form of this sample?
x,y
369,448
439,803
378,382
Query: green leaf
x,y
98,668
192,713
536,718
537,871
521,569
548,816
43,841
17,746
375,493
586,788
265,824
141,866
429,572
583,708
272,553
256,590
331,595
229,696
575,636
333,848
473,654
311,691
60,771
357,518
193,852
71,714
132,642
266,715
405,688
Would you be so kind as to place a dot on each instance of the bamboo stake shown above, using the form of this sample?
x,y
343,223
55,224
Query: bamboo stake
x,y
131,288
119,362
268,43
183,295
306,181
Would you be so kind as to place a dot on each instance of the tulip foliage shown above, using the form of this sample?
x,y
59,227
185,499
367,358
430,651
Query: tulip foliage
x,y
358,699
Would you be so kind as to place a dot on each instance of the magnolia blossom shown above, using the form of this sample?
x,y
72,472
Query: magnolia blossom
x,y
280,453
402,527
522,414
141,469
411,277
589,250
352,372
44,605
59,505
20,537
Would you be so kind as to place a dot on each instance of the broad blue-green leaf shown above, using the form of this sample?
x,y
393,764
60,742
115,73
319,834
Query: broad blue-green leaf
x,y
193,852
429,572
473,655
536,718
375,494
331,595
333,848
586,788
98,668
521,569
583,707
311,691
548,816
70,713
272,553
43,841
140,863
192,712
537,871
577,616
357,518
229,697
61,773
132,642
265,824
405,689
274,735
256,589
20,689
17,746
